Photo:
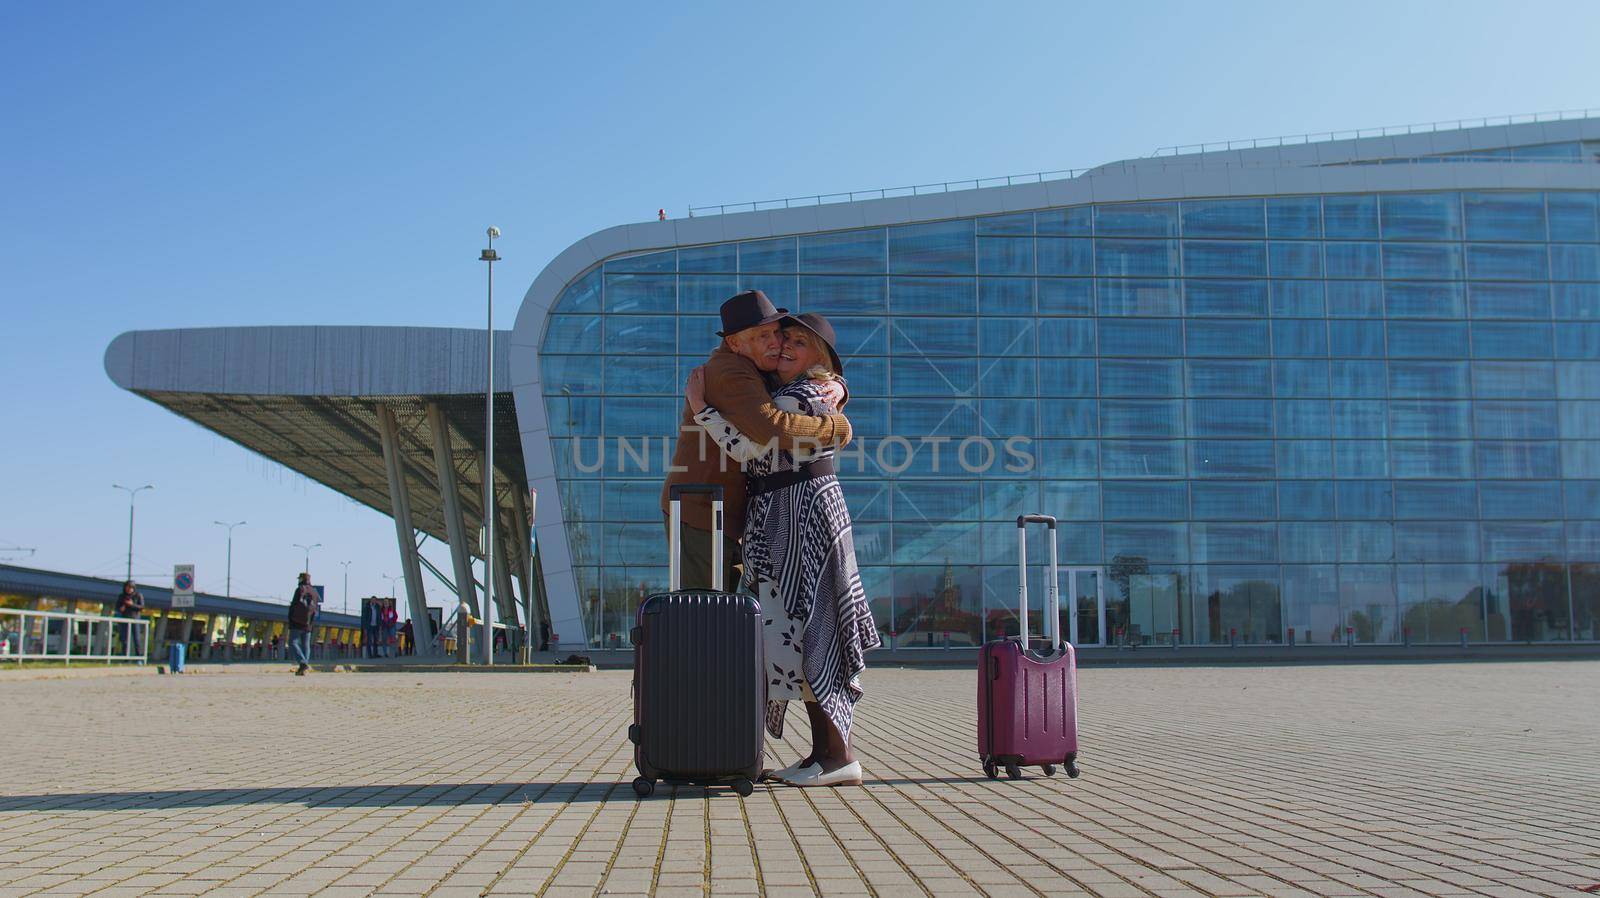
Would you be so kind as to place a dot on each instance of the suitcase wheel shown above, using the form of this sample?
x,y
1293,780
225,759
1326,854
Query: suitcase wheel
x,y
644,787
1049,770
1072,767
743,786
1013,770
991,771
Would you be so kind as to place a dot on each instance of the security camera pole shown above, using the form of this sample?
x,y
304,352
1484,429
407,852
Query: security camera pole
x,y
490,512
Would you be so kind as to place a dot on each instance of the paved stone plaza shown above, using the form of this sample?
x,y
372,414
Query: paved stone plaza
x,y
1382,780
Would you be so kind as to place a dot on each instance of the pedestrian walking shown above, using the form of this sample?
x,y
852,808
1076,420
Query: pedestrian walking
x,y
130,607
302,613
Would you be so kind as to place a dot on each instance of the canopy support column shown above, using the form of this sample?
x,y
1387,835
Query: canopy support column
x,y
400,502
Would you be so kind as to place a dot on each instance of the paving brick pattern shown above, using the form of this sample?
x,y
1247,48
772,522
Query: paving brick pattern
x,y
1381,780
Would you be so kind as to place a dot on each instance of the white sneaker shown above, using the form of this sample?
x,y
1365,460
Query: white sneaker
x,y
848,775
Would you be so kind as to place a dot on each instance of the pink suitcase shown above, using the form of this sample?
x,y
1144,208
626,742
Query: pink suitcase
x,y
1028,701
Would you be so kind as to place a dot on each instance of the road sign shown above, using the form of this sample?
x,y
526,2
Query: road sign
x,y
183,586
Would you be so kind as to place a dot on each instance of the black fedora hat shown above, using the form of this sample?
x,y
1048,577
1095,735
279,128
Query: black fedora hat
x,y
749,309
819,326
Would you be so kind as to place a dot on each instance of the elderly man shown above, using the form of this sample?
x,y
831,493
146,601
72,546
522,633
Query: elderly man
x,y
736,386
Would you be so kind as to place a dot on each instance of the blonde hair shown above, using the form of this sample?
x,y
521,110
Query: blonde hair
x,y
823,369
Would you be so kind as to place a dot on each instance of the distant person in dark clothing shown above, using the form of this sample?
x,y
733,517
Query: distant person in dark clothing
x,y
302,614
130,606
544,636
408,638
371,621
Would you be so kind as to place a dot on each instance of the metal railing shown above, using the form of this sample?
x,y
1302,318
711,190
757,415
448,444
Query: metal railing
x,y
1254,143
68,637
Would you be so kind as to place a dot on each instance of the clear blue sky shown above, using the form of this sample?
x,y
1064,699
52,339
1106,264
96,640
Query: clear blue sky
x,y
184,164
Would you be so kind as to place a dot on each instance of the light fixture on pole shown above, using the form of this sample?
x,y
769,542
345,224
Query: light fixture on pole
x,y
392,580
132,491
490,510
346,565
230,551
307,568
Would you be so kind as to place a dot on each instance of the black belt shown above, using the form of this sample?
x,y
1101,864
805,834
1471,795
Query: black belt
x,y
777,480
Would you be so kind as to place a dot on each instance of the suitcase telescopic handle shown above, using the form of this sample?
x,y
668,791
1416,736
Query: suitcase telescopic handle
x,y
1052,617
675,532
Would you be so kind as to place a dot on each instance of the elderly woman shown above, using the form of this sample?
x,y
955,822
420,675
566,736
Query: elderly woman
x,y
800,559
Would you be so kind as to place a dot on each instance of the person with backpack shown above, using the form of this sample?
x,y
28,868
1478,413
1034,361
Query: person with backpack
x,y
302,613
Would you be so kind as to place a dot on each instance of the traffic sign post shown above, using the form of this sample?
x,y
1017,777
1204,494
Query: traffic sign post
x,y
183,586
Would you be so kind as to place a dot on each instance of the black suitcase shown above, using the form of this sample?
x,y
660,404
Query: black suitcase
x,y
699,684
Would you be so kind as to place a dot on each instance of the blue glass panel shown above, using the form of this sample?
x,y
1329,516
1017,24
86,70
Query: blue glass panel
x,y
1233,501
1422,261
938,543
1153,542
642,375
1069,377
950,500
1011,377
941,247
1297,259
633,334
775,255
1136,258
1305,500
1427,379
1513,380
1303,418
1504,216
935,336
1355,299
1579,421
1515,420
1068,418
1300,378
869,417
1507,262
1139,336
1316,543
1153,378
1578,341
578,416
1436,541
1006,336
1521,499
1357,378
1299,299
1005,255
1579,458
1066,336
1575,262
1077,221
1232,458
1507,300
1430,419
1425,299
1233,542
1582,498
1146,500
721,257
1230,417
697,334
1227,338
1360,418
1355,339
1521,459
707,292
1429,459
1294,216
1505,340
913,418
1223,218
1218,378
1142,458
626,500
1573,216
1421,216
580,374
933,296
1360,458
1304,458
1365,499
629,416
1073,501
867,376
842,295
1241,298
782,289
1522,541
1005,296
1015,224
1065,256
1578,380
860,336
1067,458
648,263
1004,500
1352,260
1138,296
1366,541
1136,220
1224,258
1346,217
582,295
844,252
641,293
1066,297
1299,337
1427,500
933,377
1138,418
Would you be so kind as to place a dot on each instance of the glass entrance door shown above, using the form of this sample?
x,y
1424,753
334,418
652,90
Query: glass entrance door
x,y
1087,608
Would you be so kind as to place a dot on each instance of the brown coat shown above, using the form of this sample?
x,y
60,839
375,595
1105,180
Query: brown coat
x,y
735,388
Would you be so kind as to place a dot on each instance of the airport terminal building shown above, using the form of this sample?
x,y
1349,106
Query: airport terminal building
x,y
1308,391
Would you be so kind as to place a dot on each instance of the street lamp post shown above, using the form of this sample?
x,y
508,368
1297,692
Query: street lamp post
x,y
307,568
132,491
392,581
346,565
230,551
489,509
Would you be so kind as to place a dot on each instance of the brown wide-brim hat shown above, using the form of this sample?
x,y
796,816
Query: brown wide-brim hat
x,y
749,309
819,326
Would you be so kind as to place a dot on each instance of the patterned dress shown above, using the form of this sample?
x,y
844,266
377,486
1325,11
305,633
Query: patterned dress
x,y
800,557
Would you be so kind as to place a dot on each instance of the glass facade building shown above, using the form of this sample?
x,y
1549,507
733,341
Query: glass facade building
x,y
1368,415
